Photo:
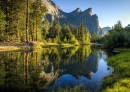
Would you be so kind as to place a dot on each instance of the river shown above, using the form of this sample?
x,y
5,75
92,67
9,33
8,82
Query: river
x,y
48,69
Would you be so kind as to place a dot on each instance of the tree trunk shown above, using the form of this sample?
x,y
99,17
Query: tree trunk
x,y
36,29
27,20
7,19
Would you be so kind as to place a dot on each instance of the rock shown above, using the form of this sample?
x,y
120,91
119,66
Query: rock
x,y
105,30
74,17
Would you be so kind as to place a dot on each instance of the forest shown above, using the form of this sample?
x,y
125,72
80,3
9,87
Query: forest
x,y
117,37
24,21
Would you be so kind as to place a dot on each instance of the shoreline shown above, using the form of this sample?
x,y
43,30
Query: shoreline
x,y
119,80
5,46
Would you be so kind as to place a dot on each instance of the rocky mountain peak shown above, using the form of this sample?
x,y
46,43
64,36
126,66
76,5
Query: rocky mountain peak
x,y
78,10
88,11
52,7
74,17
95,16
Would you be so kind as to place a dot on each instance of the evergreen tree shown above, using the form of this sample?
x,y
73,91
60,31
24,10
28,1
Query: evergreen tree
x,y
87,36
75,31
46,26
93,36
2,24
66,32
27,20
18,17
21,21
82,33
13,9
37,14
55,31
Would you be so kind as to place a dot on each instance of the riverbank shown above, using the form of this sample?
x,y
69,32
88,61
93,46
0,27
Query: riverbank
x,y
31,45
119,80
6,46
14,46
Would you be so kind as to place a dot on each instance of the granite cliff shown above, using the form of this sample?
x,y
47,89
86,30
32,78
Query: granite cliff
x,y
74,17
105,30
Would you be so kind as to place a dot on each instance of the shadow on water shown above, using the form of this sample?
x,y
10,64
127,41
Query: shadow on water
x,y
51,68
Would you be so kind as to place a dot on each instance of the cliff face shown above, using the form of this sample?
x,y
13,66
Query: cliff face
x,y
105,30
74,17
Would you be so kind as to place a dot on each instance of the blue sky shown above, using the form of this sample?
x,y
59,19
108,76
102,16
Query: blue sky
x,y
108,11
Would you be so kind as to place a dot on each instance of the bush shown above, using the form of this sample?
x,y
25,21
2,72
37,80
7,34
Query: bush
x,y
117,37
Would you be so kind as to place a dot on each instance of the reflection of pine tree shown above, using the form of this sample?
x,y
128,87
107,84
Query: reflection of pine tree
x,y
31,68
21,71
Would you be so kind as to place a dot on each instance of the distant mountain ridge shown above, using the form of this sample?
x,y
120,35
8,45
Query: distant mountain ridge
x,y
105,30
74,17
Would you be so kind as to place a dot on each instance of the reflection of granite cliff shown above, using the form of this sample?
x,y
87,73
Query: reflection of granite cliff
x,y
74,17
75,68
93,61
50,77
87,68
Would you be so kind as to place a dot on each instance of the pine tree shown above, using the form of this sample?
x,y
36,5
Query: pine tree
x,y
66,32
46,26
2,24
87,36
27,20
13,10
37,14
82,32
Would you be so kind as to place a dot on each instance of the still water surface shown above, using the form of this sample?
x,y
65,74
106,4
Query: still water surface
x,y
51,68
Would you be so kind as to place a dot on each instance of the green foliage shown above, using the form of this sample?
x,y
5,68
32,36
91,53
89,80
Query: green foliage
x,y
117,37
121,86
14,14
45,29
54,31
67,34
49,40
65,40
73,40
84,36
2,24
95,37
119,80
36,15
2,20
81,33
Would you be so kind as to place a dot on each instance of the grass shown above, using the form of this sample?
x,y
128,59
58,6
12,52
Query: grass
x,y
66,45
31,45
119,80
9,48
14,46
48,45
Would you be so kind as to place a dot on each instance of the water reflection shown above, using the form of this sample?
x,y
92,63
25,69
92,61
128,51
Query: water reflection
x,y
20,71
52,67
